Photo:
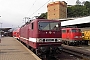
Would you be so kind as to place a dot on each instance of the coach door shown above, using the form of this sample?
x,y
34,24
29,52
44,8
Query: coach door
x,y
28,35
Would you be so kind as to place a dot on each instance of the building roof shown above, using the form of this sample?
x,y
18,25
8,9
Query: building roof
x,y
66,19
76,21
5,29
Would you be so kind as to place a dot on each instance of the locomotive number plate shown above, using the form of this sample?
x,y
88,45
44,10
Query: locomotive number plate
x,y
49,39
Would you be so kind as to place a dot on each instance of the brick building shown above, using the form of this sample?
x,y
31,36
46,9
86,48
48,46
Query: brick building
x,y
57,10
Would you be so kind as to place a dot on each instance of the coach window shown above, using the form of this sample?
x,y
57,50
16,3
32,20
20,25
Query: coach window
x,y
32,26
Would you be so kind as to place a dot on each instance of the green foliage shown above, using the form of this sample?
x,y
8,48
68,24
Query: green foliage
x,y
74,11
87,4
79,10
43,16
78,2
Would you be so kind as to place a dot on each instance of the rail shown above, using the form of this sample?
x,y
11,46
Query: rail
x,y
83,54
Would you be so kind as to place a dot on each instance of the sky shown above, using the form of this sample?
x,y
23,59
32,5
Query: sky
x,y
13,12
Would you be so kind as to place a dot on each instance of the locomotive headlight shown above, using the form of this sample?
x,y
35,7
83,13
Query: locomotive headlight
x,y
59,40
76,37
39,40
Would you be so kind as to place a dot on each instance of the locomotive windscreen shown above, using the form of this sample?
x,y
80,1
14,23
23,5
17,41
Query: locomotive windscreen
x,y
76,30
49,26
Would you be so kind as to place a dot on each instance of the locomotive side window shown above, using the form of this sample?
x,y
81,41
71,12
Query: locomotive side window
x,y
32,25
63,31
79,30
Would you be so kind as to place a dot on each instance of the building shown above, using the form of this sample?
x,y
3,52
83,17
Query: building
x,y
57,10
4,31
81,22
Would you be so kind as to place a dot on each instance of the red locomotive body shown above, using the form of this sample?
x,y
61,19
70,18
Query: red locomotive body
x,y
42,35
71,36
16,33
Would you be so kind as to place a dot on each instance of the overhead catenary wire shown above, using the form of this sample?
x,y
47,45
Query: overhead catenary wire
x,y
31,7
39,8
25,18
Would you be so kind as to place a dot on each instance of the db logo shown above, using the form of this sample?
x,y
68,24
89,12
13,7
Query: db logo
x,y
50,32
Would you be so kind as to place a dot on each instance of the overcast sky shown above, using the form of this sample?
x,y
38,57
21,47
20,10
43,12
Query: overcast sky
x,y
12,12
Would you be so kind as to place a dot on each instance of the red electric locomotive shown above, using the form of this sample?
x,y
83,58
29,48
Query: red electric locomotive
x,y
71,36
16,33
42,35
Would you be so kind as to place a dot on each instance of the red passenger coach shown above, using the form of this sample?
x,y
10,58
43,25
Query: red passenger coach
x,y
16,33
71,36
42,35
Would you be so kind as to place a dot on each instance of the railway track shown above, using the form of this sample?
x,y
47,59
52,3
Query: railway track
x,y
70,53
62,56
81,53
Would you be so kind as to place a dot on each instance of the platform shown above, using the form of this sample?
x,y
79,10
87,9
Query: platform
x,y
12,49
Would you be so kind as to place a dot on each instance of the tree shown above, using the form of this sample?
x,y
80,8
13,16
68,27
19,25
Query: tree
x,y
87,4
83,2
78,2
77,11
43,16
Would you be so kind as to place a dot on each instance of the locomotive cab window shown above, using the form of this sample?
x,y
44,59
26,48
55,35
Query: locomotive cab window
x,y
49,25
73,30
76,30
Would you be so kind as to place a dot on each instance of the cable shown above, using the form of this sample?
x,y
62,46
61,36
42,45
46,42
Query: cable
x,y
39,8
31,6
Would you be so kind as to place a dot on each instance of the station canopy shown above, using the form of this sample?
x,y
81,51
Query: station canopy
x,y
81,20
5,29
